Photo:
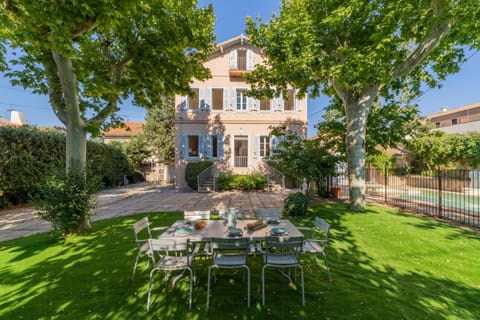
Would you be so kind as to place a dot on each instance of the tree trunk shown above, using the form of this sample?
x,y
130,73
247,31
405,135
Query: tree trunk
x,y
76,147
76,140
357,113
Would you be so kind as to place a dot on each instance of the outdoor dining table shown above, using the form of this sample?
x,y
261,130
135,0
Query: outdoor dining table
x,y
219,229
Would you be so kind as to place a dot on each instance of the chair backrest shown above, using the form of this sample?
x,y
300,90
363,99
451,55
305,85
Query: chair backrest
x,y
223,213
169,246
322,225
272,213
224,244
139,226
196,215
283,242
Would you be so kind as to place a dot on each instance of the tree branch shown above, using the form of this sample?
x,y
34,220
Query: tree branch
x,y
112,106
429,44
55,88
85,27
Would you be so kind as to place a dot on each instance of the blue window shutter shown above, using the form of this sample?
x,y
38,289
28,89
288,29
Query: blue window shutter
x,y
208,146
273,143
183,146
201,145
220,146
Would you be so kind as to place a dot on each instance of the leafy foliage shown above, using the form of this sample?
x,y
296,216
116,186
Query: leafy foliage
x,y
295,204
67,200
361,53
29,156
254,181
192,170
299,158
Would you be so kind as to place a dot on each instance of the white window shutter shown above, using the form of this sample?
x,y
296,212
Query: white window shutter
x,y
226,100
249,59
184,103
250,103
256,147
208,98
233,59
233,98
298,102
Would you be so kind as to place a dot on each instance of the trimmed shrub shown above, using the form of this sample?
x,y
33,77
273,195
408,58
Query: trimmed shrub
x,y
67,200
227,181
192,171
296,204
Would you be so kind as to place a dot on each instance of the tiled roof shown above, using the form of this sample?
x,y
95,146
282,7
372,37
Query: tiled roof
x,y
449,111
6,123
130,129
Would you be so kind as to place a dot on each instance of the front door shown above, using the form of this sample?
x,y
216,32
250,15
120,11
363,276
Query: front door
x,y
240,157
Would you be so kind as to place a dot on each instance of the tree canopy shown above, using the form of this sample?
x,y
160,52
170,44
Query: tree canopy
x,y
89,56
362,52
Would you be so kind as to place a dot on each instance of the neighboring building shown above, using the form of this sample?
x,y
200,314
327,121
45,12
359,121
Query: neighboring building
x,y
17,119
123,134
220,123
460,120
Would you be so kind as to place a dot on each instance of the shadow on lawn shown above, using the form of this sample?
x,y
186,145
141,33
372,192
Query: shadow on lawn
x,y
88,277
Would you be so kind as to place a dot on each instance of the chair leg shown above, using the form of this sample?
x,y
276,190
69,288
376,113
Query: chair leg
x,y
303,285
149,289
248,285
263,285
135,264
328,268
190,291
208,287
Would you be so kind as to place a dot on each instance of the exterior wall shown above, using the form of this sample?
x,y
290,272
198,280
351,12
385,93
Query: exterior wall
x,y
229,123
458,116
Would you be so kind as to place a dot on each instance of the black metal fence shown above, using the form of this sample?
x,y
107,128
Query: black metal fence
x,y
448,194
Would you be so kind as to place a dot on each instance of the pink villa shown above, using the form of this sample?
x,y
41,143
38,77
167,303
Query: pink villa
x,y
221,124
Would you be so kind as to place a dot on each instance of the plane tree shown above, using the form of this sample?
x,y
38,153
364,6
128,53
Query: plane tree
x,y
91,56
362,52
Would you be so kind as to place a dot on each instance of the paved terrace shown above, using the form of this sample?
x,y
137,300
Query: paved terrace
x,y
142,198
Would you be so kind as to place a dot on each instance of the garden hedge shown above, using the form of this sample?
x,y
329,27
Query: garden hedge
x,y
29,156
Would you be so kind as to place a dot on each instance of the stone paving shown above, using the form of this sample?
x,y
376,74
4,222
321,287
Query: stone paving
x,y
142,198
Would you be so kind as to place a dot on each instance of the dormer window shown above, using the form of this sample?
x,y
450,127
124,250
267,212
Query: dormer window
x,y
241,61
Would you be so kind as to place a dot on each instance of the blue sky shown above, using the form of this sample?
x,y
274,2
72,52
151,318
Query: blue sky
x,y
458,90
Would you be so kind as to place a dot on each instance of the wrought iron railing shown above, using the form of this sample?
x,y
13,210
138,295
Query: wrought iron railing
x,y
447,194
241,161
207,175
275,176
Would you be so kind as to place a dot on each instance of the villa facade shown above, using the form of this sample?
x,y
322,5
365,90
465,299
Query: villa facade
x,y
221,124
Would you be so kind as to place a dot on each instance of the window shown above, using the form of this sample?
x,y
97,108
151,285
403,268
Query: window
x,y
242,59
437,124
241,100
193,146
265,104
214,146
454,121
264,147
193,101
217,99
289,104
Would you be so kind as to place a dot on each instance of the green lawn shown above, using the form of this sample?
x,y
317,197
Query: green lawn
x,y
385,265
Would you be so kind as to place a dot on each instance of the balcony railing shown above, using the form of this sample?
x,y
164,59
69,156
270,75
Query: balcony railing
x,y
241,161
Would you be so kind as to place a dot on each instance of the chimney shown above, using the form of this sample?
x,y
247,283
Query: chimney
x,y
17,117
